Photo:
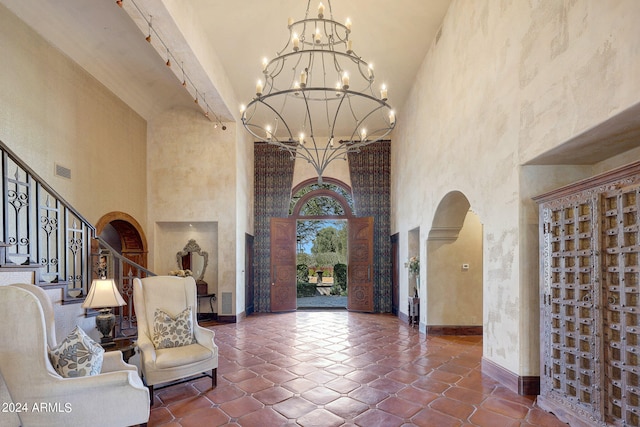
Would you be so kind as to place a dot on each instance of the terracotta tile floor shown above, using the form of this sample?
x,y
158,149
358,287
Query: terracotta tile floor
x,y
335,368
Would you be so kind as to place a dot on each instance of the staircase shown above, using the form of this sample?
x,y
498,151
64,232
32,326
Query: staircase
x,y
45,241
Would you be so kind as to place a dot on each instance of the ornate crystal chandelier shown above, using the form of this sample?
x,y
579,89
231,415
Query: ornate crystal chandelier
x,y
317,98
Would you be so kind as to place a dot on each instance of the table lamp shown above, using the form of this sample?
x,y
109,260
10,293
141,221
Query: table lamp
x,y
102,296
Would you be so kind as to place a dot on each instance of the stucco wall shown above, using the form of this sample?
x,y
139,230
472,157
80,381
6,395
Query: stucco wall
x,y
52,111
505,82
454,292
192,177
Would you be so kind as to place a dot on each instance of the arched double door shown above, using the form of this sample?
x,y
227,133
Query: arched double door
x,y
359,245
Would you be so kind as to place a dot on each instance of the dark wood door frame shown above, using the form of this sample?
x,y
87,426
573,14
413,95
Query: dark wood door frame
x,y
283,265
248,275
360,269
395,273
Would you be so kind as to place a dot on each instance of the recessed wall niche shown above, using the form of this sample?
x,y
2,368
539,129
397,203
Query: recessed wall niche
x,y
171,238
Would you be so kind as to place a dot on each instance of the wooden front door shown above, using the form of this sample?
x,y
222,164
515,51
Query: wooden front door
x,y
283,264
360,269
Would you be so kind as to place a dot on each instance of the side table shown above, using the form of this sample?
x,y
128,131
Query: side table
x,y
414,311
212,314
126,345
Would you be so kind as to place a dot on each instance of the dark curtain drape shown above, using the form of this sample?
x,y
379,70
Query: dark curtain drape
x,y
273,179
370,181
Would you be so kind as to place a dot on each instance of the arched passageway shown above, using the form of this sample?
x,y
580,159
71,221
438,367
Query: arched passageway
x,y
454,269
319,208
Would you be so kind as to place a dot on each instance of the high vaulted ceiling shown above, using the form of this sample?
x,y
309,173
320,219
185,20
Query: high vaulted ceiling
x,y
109,42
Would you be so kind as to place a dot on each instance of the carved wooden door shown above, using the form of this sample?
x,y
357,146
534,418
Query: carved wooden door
x,y
590,300
570,321
283,264
621,304
360,265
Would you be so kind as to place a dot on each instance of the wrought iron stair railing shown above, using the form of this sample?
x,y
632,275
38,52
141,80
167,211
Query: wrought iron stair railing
x,y
43,232
108,262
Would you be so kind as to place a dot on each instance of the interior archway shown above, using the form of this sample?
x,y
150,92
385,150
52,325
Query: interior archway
x,y
124,233
454,269
328,204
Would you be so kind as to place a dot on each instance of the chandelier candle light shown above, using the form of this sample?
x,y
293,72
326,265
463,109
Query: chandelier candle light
x,y
317,98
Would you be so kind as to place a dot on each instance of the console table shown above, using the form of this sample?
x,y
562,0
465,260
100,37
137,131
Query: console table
x,y
414,311
207,316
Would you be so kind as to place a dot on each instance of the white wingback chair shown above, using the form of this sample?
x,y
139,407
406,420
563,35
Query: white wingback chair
x,y
115,397
172,295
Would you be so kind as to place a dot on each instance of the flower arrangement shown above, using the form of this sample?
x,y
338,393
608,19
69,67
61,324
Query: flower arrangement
x,y
180,273
414,265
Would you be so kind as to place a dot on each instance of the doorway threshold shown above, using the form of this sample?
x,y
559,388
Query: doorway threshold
x,y
322,302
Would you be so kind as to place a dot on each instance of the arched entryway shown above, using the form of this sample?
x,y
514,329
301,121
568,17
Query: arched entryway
x,y
124,234
454,269
335,196
321,210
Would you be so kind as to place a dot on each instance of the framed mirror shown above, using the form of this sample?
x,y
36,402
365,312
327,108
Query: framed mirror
x,y
193,258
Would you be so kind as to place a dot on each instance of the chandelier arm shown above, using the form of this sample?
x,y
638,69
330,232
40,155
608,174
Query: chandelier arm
x,y
261,101
300,54
306,13
307,21
351,102
335,118
245,118
335,153
369,72
362,121
326,102
289,41
353,113
250,128
277,69
314,161
309,69
308,114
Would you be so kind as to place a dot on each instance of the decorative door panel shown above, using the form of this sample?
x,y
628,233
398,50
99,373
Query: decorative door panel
x,y
590,302
283,264
570,294
360,273
620,248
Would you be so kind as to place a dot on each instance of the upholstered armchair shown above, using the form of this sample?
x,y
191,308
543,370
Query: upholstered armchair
x,y
40,396
172,356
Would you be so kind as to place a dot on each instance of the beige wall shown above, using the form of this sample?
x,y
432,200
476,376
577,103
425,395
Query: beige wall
x,y
454,293
506,82
244,208
238,174
52,111
192,178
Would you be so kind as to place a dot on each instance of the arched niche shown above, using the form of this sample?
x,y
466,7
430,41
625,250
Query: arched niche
x,y
454,285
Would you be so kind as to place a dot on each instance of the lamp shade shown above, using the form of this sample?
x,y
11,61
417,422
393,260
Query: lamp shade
x,y
103,294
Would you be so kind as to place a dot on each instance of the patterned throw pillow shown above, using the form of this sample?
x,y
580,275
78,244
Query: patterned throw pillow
x,y
77,355
169,332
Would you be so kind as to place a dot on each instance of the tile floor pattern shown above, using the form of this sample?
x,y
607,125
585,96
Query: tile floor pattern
x,y
335,368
